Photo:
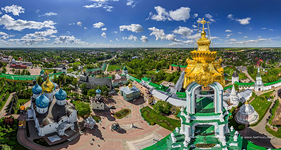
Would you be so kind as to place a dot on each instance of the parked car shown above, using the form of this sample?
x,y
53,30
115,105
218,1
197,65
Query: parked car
x,y
112,107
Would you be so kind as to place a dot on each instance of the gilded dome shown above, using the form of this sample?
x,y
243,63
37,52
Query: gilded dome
x,y
48,86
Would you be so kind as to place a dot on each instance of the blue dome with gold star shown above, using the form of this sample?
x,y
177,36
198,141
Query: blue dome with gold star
x,y
42,101
36,89
60,94
98,91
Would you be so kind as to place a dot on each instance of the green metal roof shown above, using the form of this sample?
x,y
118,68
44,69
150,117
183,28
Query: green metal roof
x,y
270,83
181,94
24,77
125,68
248,84
183,66
174,65
90,70
146,79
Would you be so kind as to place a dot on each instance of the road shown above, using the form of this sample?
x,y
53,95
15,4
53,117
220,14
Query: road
x,y
3,111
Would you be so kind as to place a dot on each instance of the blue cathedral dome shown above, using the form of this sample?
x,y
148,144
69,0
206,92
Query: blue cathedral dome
x,y
98,91
60,94
36,89
42,101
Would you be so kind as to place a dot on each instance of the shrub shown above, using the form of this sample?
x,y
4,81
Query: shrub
x,y
241,127
152,123
279,130
11,143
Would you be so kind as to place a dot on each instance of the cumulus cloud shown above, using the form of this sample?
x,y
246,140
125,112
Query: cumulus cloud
x,y
228,35
194,26
239,32
183,31
49,14
133,27
158,33
245,36
250,41
270,29
194,36
98,25
110,41
232,40
228,30
210,17
117,39
172,37
30,41
18,25
85,28
15,9
68,39
4,35
79,23
100,4
104,29
244,21
263,28
195,15
131,3
132,38
144,39
40,33
181,14
103,34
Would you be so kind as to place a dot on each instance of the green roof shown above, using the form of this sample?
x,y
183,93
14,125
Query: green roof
x,y
103,66
24,77
117,69
134,79
183,66
174,65
270,83
248,84
90,70
225,88
181,94
146,79
125,68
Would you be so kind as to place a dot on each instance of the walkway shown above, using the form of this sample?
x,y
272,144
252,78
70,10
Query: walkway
x,y
247,74
3,111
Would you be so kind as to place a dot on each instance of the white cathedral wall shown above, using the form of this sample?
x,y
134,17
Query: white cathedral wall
x,y
41,110
65,119
47,129
61,102
73,116
36,124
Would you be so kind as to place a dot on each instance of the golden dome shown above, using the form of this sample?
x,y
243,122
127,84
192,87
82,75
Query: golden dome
x,y
203,68
130,85
48,86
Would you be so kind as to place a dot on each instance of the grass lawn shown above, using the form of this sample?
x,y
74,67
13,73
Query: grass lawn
x,y
272,111
272,132
153,117
122,113
242,76
261,105
229,71
23,101
113,67
70,70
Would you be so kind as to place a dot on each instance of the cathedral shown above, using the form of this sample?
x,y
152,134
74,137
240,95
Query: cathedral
x,y
50,110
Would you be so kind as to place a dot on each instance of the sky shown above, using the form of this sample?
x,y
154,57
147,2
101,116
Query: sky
x,y
138,23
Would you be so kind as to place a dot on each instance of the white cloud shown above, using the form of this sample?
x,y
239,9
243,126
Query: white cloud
x,y
183,31
194,26
133,27
37,10
144,38
232,40
79,23
239,32
100,4
259,36
49,14
110,41
194,36
158,33
133,38
181,14
172,37
4,35
270,29
15,9
117,39
210,17
98,25
18,25
195,15
115,32
103,35
250,41
228,35
40,33
85,28
244,21
245,36
68,39
30,41
189,42
131,3
53,36
175,44
103,29
228,30
230,16
263,28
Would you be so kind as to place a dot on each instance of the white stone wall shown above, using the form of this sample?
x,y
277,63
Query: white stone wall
x,y
41,110
47,129
98,106
73,117
61,102
50,96
234,79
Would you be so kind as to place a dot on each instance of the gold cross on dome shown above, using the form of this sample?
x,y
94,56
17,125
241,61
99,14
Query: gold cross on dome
x,y
203,21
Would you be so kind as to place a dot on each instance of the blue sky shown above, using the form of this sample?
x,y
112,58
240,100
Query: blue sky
x,y
138,23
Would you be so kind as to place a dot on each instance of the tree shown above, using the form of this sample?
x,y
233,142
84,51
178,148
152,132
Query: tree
x,y
84,88
74,82
91,92
236,87
39,80
162,107
83,109
4,70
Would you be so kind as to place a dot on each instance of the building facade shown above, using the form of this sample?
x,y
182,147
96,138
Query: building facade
x,y
130,92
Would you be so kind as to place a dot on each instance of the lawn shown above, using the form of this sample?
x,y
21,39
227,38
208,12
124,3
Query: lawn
x,y
272,111
153,117
113,67
229,71
122,113
261,105
242,76
272,132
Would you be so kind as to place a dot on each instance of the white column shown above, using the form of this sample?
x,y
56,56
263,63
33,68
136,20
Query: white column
x,y
187,130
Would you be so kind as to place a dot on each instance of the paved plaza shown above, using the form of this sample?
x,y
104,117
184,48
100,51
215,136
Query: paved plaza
x,y
102,138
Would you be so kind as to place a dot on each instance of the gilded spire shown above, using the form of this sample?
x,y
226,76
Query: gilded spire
x,y
203,68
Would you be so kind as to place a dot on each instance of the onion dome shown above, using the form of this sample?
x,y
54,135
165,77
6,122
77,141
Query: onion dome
x,y
125,68
247,109
60,94
42,101
36,89
48,86
98,91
